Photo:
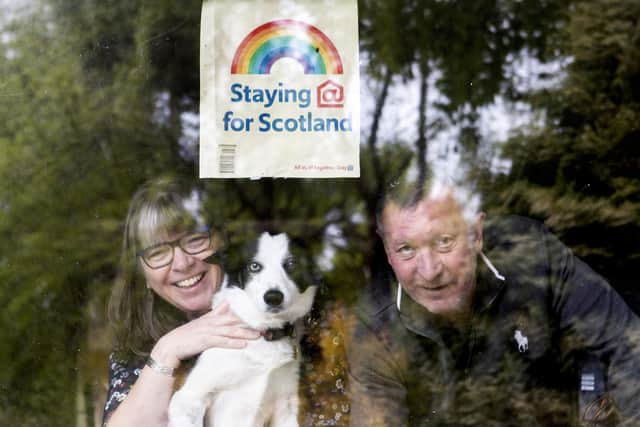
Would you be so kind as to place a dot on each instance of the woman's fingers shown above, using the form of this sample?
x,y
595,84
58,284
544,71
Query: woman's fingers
x,y
231,337
237,332
219,327
225,342
220,309
222,315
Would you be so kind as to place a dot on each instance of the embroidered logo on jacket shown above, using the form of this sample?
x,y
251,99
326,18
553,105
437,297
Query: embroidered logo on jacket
x,y
522,340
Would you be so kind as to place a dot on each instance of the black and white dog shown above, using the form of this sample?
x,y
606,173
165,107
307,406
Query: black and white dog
x,y
256,386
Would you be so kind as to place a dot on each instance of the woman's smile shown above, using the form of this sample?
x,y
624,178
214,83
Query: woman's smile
x,y
190,282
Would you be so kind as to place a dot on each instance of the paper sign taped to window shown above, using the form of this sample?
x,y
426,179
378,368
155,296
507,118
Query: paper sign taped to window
x,y
279,89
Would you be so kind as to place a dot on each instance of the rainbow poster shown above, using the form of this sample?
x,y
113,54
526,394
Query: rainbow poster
x,y
279,89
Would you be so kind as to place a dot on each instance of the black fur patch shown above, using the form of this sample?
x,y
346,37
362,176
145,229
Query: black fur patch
x,y
242,250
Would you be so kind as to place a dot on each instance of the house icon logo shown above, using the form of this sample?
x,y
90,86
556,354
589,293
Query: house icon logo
x,y
330,95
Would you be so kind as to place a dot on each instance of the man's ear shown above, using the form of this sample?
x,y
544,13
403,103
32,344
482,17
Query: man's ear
x,y
477,227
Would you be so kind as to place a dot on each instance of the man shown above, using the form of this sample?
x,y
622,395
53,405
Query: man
x,y
490,324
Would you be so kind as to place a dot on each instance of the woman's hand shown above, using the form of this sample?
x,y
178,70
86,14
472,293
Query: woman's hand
x,y
216,328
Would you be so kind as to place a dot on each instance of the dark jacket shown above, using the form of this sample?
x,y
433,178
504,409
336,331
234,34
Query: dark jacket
x,y
406,368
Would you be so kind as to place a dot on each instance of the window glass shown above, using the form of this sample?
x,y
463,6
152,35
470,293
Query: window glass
x,y
531,107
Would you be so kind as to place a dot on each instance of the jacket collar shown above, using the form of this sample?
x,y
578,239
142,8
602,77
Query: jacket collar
x,y
418,319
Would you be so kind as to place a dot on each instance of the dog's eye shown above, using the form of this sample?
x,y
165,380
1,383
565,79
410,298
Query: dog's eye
x,y
255,267
289,265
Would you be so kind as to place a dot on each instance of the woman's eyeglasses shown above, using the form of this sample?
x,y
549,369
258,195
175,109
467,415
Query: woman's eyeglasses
x,y
161,254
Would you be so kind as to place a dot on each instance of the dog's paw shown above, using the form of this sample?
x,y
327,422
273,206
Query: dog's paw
x,y
185,411
183,422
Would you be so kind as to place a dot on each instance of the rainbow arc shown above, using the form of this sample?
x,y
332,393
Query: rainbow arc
x,y
286,38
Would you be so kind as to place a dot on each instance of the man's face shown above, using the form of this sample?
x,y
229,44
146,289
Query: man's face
x,y
432,251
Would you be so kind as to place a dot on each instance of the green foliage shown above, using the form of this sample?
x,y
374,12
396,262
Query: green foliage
x,y
579,171
470,43
78,136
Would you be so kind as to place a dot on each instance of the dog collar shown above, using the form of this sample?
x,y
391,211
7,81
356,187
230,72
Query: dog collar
x,y
274,334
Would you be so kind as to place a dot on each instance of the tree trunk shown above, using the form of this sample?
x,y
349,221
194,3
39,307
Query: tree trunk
x,y
378,266
421,143
373,135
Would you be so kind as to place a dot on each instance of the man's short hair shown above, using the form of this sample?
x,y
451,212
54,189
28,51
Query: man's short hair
x,y
408,189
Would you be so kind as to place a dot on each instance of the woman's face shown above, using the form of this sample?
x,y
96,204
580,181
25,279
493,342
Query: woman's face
x,y
188,282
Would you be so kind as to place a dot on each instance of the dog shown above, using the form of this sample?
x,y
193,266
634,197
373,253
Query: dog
x,y
258,385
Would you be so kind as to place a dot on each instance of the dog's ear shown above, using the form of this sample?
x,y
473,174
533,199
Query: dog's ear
x,y
239,252
302,269
218,258
221,258
235,268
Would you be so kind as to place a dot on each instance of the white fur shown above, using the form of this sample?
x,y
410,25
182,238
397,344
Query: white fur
x,y
258,385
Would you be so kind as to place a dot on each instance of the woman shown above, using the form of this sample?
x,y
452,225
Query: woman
x,y
161,303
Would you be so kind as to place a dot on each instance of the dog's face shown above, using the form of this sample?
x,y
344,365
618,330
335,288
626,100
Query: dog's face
x,y
276,285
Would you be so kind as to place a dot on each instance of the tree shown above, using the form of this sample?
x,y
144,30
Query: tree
x,y
77,138
579,170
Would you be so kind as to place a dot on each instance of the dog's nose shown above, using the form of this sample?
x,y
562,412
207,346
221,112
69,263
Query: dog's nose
x,y
273,297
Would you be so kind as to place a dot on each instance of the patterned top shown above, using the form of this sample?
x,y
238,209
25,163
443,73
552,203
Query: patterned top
x,y
122,375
